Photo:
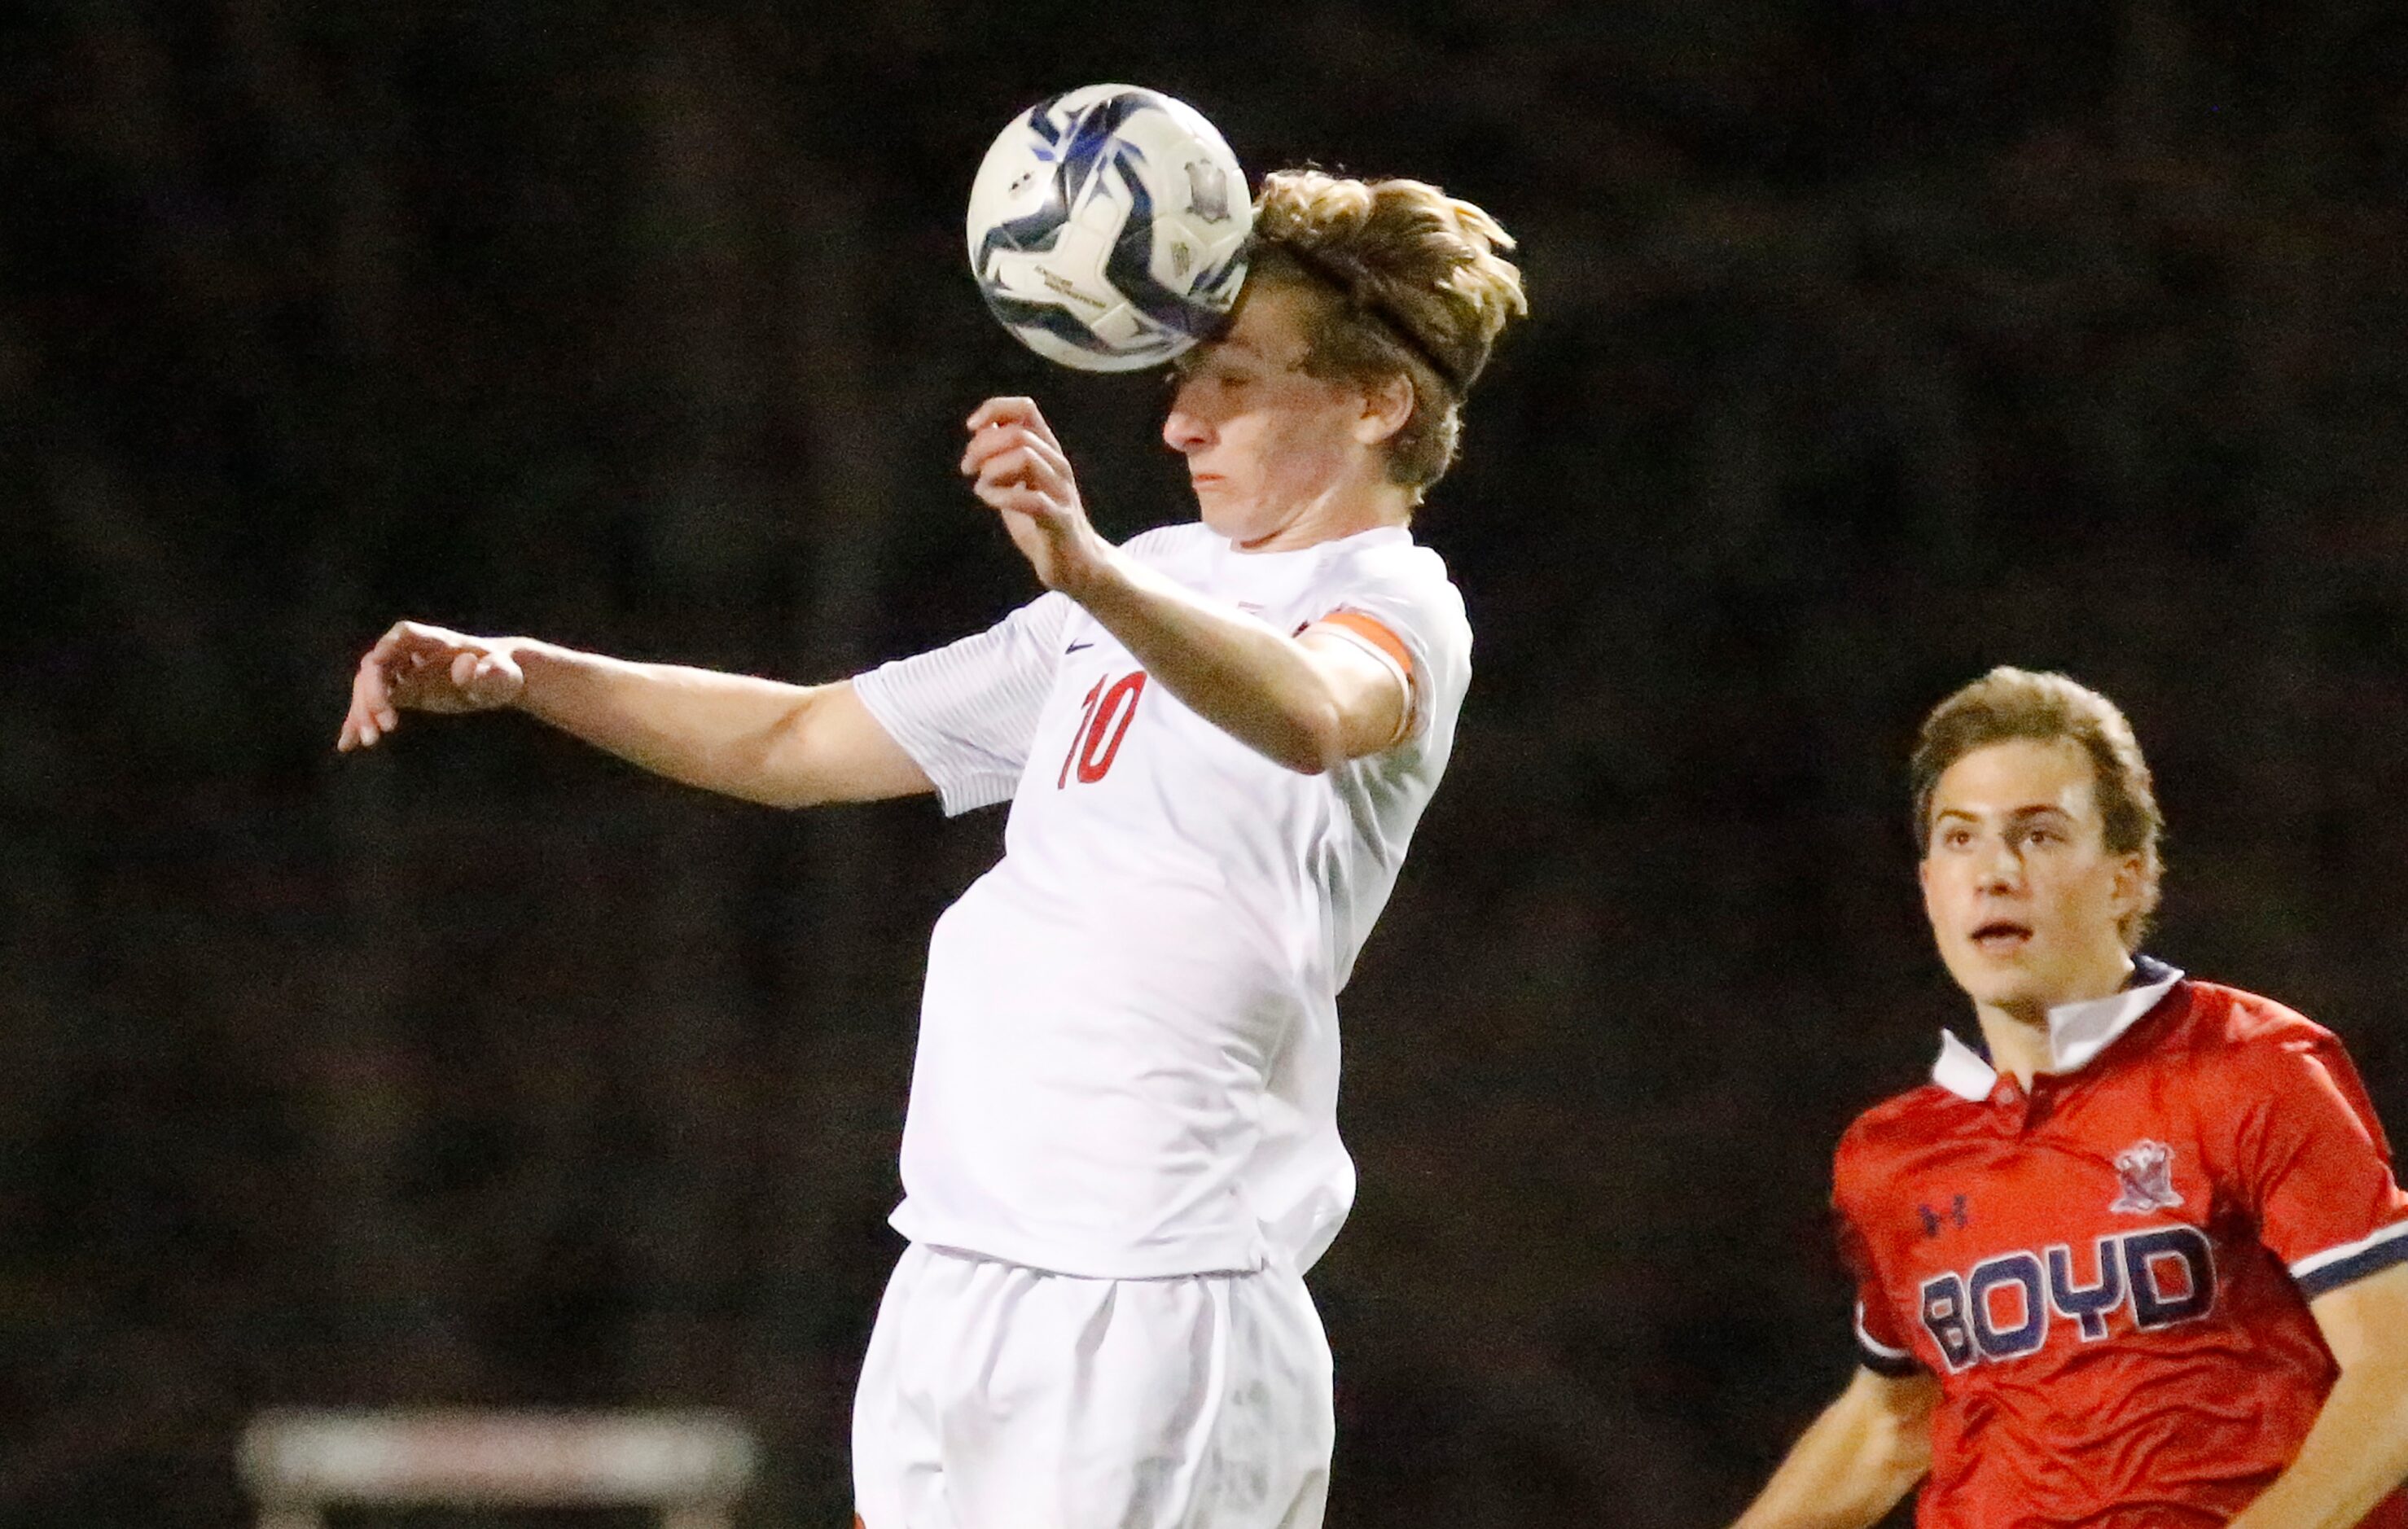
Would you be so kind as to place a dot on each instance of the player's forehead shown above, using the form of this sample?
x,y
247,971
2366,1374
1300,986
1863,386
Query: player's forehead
x,y
1229,348
2019,778
1270,325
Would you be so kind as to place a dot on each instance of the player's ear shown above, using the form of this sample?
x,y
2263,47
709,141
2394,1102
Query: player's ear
x,y
2132,890
1387,408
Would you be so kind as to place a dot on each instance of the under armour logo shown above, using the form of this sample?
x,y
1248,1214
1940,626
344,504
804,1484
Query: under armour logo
x,y
1959,1214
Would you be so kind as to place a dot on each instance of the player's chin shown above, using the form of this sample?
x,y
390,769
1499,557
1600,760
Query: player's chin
x,y
1226,517
1987,978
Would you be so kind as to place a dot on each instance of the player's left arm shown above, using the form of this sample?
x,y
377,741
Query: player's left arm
x,y
2311,1163
1309,702
2357,1450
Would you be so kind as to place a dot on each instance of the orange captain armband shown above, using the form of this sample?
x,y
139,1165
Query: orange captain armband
x,y
1370,633
1354,624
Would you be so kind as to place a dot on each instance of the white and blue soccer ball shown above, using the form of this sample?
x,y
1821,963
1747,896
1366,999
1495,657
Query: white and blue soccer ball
x,y
1107,228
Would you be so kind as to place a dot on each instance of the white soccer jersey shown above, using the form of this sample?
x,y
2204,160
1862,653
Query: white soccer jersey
x,y
1127,1061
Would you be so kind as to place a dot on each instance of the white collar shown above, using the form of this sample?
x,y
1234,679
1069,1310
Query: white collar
x,y
2077,1032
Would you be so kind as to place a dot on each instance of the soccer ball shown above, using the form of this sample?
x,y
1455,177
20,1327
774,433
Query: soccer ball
x,y
1107,228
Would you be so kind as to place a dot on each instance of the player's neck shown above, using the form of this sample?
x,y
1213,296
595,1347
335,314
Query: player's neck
x,y
2016,1031
2017,1039
1341,513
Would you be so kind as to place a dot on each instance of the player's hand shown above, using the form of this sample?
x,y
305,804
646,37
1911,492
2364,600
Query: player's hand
x,y
414,667
1016,468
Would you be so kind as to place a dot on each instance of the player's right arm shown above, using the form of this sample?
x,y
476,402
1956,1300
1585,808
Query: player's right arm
x,y
778,744
1851,1467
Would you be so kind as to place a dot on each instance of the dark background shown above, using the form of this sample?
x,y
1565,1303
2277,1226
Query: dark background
x,y
1876,343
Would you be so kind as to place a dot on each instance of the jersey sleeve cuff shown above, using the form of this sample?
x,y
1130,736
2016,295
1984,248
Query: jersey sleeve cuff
x,y
1878,1357
959,790
2352,1260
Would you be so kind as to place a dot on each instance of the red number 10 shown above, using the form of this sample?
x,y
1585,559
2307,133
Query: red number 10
x,y
1104,711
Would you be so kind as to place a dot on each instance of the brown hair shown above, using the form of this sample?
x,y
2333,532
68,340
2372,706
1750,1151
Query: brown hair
x,y
2008,704
1422,291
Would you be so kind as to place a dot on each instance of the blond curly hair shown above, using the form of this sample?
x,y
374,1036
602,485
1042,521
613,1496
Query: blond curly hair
x,y
1421,289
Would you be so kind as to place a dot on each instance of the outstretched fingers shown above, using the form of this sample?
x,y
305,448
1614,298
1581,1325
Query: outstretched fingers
x,y
368,718
372,713
424,667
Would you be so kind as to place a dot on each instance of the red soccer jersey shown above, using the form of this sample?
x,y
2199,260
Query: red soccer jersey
x,y
2110,1274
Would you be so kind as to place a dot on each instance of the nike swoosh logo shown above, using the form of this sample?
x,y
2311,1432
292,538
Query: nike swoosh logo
x,y
1075,647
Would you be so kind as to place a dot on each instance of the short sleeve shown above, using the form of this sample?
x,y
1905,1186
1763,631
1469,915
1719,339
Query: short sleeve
x,y
2313,1165
1398,605
966,712
1880,1346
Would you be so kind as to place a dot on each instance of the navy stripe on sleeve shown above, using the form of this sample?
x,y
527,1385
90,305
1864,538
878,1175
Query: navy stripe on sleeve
x,y
1878,1357
2338,1267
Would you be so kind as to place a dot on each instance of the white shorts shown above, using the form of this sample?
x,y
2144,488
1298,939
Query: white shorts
x,y
996,1397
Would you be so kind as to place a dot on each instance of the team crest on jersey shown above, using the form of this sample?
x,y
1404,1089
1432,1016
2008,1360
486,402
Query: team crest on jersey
x,y
2145,1171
